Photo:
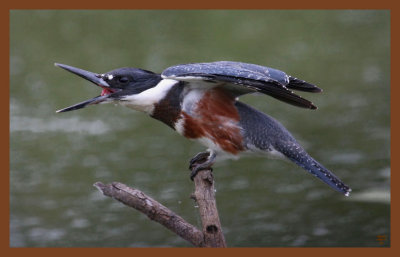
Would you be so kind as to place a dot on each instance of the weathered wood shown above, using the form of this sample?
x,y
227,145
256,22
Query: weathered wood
x,y
154,210
204,195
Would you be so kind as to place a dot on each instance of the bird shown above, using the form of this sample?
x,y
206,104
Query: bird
x,y
200,101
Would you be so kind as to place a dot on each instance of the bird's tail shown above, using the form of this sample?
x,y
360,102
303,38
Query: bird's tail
x,y
299,156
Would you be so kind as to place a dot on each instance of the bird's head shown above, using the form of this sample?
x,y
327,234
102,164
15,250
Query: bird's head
x,y
116,85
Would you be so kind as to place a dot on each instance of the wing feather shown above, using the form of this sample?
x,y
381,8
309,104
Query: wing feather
x,y
242,78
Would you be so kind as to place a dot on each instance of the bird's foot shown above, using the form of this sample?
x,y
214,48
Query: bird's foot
x,y
201,161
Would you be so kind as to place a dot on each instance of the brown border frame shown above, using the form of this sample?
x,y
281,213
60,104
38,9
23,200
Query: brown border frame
x,y
6,6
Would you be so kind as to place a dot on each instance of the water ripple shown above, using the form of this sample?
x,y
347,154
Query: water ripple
x,y
74,124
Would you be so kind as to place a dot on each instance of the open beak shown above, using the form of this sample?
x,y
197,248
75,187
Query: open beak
x,y
95,78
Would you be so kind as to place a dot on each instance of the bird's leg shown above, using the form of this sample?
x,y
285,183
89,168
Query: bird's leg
x,y
201,161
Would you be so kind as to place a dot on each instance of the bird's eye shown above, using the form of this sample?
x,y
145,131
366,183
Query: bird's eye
x,y
123,79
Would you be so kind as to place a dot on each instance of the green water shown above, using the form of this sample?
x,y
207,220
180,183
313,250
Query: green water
x,y
55,158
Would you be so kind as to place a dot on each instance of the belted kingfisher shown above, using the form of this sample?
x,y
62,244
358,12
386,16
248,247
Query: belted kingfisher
x,y
200,102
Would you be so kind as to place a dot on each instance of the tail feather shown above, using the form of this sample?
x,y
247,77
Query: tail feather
x,y
304,160
326,176
265,133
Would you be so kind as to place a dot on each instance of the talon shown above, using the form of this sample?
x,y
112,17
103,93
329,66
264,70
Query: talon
x,y
199,158
201,161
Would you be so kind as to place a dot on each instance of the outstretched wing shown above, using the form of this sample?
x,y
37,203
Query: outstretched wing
x,y
243,78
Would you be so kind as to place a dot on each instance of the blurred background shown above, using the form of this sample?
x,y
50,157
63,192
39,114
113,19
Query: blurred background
x,y
56,158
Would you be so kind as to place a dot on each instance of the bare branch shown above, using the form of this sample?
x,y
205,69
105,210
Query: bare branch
x,y
154,210
211,234
204,195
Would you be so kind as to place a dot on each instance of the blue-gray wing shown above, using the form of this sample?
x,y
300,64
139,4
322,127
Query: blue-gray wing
x,y
243,78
